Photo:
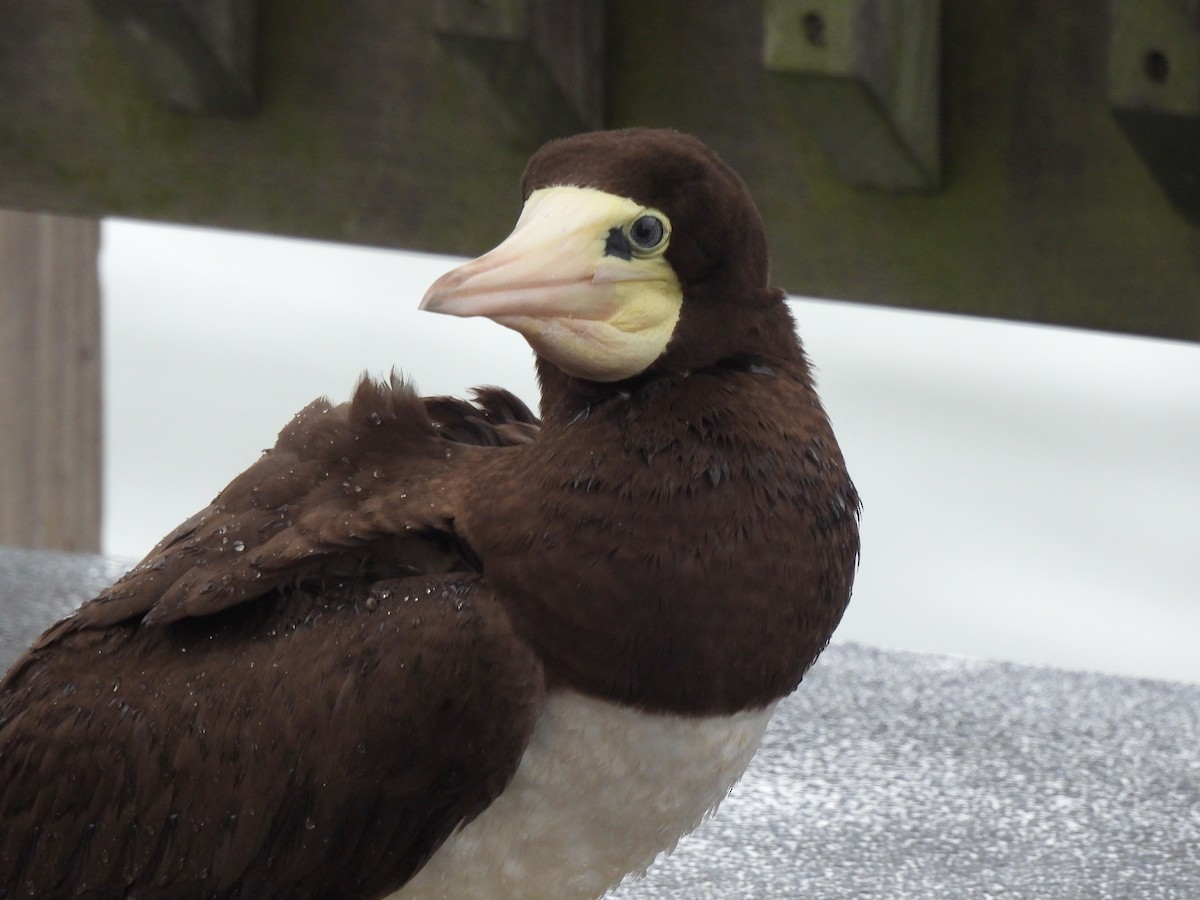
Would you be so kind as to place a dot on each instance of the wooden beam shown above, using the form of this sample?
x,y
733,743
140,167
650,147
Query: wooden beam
x,y
50,382
369,131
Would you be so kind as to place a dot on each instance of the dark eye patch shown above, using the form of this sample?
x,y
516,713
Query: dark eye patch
x,y
617,244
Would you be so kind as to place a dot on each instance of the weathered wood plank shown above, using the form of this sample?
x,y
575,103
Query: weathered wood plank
x,y
368,132
50,382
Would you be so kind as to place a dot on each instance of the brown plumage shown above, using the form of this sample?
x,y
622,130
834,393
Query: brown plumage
x,y
305,688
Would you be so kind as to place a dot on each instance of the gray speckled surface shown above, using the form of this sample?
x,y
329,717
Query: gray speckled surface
x,y
900,775
37,588
897,775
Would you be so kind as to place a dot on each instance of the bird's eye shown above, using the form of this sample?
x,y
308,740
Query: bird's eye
x,y
648,233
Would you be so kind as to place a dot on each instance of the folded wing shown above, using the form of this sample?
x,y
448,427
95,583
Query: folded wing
x,y
303,689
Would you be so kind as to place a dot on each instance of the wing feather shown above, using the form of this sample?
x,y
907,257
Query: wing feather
x,y
319,745
368,481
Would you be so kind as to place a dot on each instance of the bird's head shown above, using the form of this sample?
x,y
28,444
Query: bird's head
x,y
636,250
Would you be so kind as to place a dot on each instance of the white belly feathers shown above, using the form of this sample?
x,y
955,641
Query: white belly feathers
x,y
601,791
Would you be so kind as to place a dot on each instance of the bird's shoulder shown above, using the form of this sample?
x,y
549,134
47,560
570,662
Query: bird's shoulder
x,y
369,486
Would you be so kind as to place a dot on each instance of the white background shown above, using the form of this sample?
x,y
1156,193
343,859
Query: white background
x,y
1031,493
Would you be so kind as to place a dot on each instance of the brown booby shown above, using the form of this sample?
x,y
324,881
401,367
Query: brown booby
x,y
444,648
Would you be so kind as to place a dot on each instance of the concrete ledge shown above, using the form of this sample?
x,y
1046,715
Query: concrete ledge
x,y
903,775
897,775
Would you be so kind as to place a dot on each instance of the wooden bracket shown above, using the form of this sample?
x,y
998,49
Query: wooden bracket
x,y
543,61
863,75
1154,92
196,55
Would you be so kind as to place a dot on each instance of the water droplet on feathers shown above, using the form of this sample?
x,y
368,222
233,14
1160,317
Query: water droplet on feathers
x,y
239,546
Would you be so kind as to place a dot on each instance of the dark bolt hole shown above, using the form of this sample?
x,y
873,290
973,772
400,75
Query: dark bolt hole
x,y
813,24
1155,65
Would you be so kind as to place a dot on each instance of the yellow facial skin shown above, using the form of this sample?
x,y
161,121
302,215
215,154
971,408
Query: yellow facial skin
x,y
562,281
